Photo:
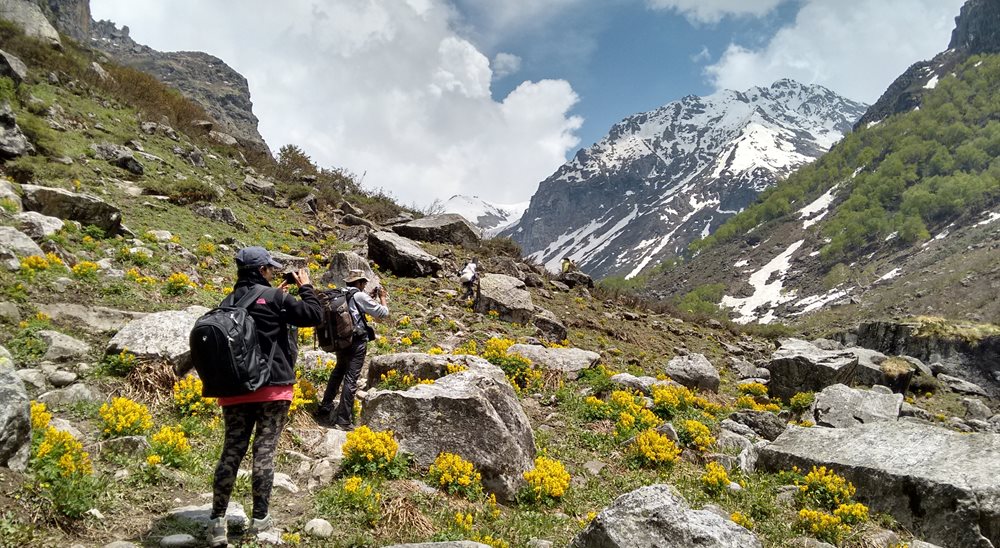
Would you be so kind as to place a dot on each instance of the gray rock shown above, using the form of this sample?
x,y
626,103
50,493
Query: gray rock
x,y
14,244
640,384
737,428
284,483
908,410
421,366
575,278
921,544
539,543
937,483
13,142
38,227
507,296
32,21
259,186
401,255
354,220
121,544
559,285
74,393
15,418
445,544
763,423
976,409
220,214
8,193
119,156
447,228
135,446
9,313
178,541
568,361
694,371
62,347
838,406
799,366
83,208
199,516
162,335
655,516
549,324
12,67
473,413
962,386
224,139
61,378
319,528
594,467
342,263
351,209
94,319
64,425
869,369
33,378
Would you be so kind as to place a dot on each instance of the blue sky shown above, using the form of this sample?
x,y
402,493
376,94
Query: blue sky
x,y
430,98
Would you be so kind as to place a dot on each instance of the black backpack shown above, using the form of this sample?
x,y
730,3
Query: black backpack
x,y
337,331
225,351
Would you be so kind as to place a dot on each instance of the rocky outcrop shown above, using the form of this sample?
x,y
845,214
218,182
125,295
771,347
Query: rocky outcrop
x,y
401,255
656,516
762,423
694,371
38,227
220,214
420,365
505,295
839,406
13,142
15,245
474,413
800,366
342,263
83,208
575,278
15,416
30,18
158,336
567,361
447,228
937,483
119,156
12,67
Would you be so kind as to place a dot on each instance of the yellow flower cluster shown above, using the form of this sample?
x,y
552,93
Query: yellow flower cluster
x,y
824,526
137,277
178,283
85,269
641,419
206,248
368,450
491,541
291,538
404,321
453,368
188,398
654,449
360,495
306,335
154,460
493,314
715,479
668,400
497,348
62,449
435,351
463,521
313,266
406,341
35,263
471,348
548,480
742,520
695,434
753,389
124,417
39,416
394,380
852,513
89,242
171,445
747,401
823,487
303,393
801,401
416,336
455,475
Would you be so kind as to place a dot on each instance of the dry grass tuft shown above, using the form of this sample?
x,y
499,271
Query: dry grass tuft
x,y
149,382
400,516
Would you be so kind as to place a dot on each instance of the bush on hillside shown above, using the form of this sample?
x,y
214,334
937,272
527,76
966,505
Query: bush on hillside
x,y
501,247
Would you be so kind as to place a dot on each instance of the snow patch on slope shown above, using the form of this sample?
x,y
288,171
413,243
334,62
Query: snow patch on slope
x,y
820,206
765,294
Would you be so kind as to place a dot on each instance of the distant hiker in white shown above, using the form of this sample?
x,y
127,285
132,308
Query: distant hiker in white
x,y
469,276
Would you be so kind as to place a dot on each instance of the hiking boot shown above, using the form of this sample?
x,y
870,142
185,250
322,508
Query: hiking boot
x,y
322,415
344,427
217,534
260,525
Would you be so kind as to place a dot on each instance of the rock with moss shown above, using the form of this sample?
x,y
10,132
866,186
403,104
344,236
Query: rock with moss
x,y
549,325
83,208
474,413
401,255
656,516
567,361
800,366
506,296
937,483
447,228
839,406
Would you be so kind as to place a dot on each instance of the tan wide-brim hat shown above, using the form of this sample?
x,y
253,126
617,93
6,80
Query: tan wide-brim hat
x,y
354,276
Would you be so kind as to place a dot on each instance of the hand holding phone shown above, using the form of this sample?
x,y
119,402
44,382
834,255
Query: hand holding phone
x,y
290,279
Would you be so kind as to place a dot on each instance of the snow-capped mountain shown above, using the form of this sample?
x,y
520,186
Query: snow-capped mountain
x,y
491,218
663,178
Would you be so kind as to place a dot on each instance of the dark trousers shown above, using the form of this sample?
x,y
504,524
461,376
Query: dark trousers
x,y
269,419
349,363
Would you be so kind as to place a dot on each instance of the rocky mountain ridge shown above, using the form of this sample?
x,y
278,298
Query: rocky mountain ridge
x,y
491,218
663,178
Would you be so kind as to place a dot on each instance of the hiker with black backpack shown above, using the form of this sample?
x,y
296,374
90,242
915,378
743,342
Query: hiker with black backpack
x,y
245,353
350,344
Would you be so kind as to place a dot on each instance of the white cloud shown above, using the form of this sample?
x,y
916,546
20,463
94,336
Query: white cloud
x,y
701,56
856,47
505,64
386,88
712,11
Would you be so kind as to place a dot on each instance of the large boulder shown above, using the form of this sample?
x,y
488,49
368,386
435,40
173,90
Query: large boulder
x,y
38,227
507,296
421,366
800,366
869,371
656,516
118,155
10,196
84,208
259,186
13,142
694,371
15,244
15,416
550,326
575,278
61,347
401,255
12,67
158,336
447,228
473,413
839,406
939,484
342,263
32,21
93,319
568,361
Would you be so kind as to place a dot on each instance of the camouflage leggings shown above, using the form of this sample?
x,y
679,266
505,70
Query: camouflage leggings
x,y
269,418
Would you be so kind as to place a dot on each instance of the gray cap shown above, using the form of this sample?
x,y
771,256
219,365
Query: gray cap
x,y
255,256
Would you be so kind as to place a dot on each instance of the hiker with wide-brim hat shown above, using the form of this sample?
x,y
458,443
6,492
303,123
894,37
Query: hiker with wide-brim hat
x,y
351,359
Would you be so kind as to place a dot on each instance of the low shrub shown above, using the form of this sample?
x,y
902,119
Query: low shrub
x,y
548,481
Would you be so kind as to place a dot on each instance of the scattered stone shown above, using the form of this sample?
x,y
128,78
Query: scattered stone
x,y
12,67
474,413
838,406
178,541
61,378
74,393
33,378
224,139
633,383
10,196
799,366
694,371
539,543
401,255
13,142
15,245
507,296
94,319
83,208
135,446
550,326
119,156
559,285
938,483
350,209
909,410
447,228
199,516
319,528
283,482
880,538
161,335
160,235
575,278
446,544
62,347
259,186
763,423
568,361
962,386
15,417
9,313
594,467
38,227
220,214
976,409
655,516
121,544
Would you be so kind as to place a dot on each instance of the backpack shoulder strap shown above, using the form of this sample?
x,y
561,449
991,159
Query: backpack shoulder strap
x,y
251,295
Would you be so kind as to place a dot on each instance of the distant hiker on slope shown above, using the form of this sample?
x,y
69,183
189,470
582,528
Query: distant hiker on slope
x,y
352,358
262,412
568,265
469,276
